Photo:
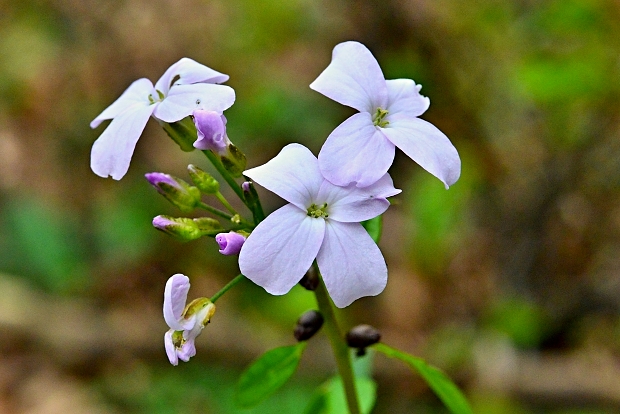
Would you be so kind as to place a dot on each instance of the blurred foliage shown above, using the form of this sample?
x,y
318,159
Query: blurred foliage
x,y
508,281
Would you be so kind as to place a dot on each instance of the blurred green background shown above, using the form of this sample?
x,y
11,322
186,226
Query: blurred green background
x,y
509,281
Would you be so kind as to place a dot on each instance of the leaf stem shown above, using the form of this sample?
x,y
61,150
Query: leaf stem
x,y
226,175
215,211
225,203
339,346
226,288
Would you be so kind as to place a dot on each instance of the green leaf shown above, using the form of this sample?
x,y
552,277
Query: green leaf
x,y
439,382
373,227
267,374
330,399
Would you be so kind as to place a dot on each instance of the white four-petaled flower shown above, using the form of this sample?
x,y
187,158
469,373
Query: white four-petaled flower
x,y
322,222
185,322
185,86
362,148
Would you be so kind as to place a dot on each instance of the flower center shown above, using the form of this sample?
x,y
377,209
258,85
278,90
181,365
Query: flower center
x,y
379,118
160,96
315,211
177,339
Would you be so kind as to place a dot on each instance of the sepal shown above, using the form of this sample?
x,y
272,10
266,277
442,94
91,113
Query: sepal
x,y
234,160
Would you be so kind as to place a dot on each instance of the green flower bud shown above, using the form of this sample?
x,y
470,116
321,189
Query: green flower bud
x,y
186,228
203,180
177,191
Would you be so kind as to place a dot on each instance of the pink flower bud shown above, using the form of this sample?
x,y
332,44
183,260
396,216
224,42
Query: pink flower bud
x,y
177,191
230,243
211,127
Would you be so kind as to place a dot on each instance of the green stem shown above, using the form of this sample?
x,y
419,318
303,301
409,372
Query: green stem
x,y
236,219
230,284
226,175
225,203
215,211
184,133
339,346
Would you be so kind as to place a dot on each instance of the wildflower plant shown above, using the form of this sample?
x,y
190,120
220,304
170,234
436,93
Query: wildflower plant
x,y
325,238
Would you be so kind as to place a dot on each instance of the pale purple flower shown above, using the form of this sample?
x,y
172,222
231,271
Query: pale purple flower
x,y
185,322
185,86
230,243
211,127
362,148
322,222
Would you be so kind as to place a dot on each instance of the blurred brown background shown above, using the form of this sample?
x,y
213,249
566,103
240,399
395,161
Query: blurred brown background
x,y
509,281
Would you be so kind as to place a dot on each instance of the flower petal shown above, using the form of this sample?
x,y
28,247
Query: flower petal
x,y
138,92
188,71
182,100
293,174
170,348
384,187
426,145
281,249
353,78
112,151
404,97
351,263
211,128
188,350
356,151
175,296
353,204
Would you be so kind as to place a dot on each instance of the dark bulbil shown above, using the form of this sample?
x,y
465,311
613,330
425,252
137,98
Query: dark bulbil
x,y
307,325
362,336
310,281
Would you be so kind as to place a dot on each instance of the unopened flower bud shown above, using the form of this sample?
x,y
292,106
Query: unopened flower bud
x,y
177,191
211,128
230,243
207,225
186,228
310,281
362,336
307,325
203,180
181,227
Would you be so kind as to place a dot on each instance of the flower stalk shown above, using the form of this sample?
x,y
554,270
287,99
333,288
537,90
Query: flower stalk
x,y
339,346
226,288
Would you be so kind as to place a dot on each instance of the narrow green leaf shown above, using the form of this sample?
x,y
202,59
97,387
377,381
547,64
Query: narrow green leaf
x,y
329,398
373,227
439,382
267,374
